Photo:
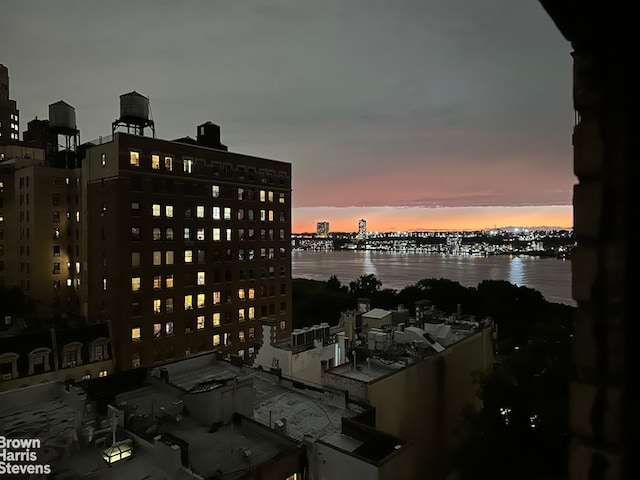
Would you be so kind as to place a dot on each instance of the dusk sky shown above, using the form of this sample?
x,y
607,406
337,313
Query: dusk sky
x,y
425,114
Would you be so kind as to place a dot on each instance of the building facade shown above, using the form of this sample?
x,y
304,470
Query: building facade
x,y
192,241
9,114
40,231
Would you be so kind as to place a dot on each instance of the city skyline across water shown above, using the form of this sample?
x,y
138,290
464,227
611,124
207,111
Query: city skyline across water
x,y
551,277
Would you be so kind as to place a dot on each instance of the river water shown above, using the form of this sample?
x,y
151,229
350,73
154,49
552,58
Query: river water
x,y
550,276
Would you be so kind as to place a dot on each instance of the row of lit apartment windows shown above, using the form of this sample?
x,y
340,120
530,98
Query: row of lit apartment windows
x,y
217,234
69,283
202,190
198,256
217,213
199,279
169,329
167,163
166,306
242,294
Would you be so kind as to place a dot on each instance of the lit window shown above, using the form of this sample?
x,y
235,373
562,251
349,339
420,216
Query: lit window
x,y
155,210
157,258
200,211
215,213
226,338
263,215
201,277
227,213
270,196
156,234
241,316
200,322
103,159
103,373
187,233
241,335
283,325
169,328
216,319
168,233
187,165
240,193
200,300
157,330
200,234
241,294
135,284
216,235
216,298
69,282
252,313
135,334
252,332
155,162
188,302
281,198
228,234
168,281
263,196
168,257
188,256
134,159
216,340
104,284
215,191
169,305
168,164
157,282
168,211
86,376
271,215
252,293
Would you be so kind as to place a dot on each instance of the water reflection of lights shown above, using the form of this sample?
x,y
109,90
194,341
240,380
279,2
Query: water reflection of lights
x,y
367,264
516,271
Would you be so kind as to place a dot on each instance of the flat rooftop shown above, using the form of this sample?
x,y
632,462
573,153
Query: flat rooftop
x,y
209,450
307,413
368,371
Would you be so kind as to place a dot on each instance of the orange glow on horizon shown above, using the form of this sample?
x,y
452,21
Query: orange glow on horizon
x,y
392,219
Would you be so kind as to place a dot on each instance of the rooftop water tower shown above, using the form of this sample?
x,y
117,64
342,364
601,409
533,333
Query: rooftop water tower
x,y
62,122
135,114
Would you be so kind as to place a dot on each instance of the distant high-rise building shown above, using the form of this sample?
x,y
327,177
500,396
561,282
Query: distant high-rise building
x,y
9,114
362,228
322,229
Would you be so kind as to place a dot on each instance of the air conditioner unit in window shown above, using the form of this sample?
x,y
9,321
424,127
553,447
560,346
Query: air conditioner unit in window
x,y
6,376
